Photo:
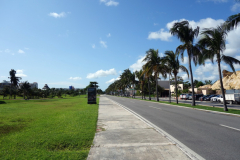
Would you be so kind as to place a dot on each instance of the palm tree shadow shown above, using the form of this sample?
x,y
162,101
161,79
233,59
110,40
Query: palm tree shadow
x,y
2,102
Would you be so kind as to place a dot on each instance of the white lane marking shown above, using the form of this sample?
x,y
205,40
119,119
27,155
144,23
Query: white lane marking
x,y
229,127
155,107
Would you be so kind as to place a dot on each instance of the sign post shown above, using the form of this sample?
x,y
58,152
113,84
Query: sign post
x,y
92,96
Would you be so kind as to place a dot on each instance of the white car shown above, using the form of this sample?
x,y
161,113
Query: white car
x,y
215,99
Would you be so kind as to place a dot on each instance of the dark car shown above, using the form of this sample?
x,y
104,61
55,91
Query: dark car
x,y
202,98
197,96
208,97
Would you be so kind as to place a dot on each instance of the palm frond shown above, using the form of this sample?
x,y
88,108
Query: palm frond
x,y
230,61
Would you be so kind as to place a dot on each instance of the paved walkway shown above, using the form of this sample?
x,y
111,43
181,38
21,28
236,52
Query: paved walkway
x,y
121,135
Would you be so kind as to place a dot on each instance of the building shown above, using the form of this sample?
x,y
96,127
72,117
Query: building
x,y
167,85
4,83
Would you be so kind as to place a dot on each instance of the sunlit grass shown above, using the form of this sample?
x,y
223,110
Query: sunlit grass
x,y
47,129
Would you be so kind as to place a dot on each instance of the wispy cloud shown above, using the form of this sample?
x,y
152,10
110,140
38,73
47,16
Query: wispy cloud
x,y
112,80
109,35
138,65
163,35
110,2
235,7
57,15
93,46
103,43
19,73
75,78
102,73
21,51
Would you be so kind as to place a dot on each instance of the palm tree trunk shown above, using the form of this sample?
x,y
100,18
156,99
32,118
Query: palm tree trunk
x,y
169,90
222,89
176,89
142,90
157,87
149,89
190,68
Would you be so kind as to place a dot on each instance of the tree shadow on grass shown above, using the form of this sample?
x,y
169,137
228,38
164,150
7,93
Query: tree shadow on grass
x,y
2,102
6,129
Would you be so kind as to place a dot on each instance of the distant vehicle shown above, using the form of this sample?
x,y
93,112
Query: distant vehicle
x,y
231,96
190,96
203,97
184,96
214,99
197,96
209,97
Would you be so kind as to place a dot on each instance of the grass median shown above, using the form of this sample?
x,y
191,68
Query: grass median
x,y
47,129
218,109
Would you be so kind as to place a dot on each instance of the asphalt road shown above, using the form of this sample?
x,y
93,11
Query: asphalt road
x,y
209,103
211,135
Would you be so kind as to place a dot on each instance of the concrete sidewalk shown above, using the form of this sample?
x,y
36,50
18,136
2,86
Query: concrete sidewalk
x,y
121,135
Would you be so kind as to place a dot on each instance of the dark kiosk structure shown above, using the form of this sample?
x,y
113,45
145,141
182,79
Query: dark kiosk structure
x,y
92,95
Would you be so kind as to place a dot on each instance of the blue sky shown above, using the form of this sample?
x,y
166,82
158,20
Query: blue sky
x,y
63,43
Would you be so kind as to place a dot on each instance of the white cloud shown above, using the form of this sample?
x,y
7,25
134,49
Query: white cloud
x,y
155,24
75,78
110,2
26,48
7,50
57,15
19,73
163,35
109,35
112,80
185,60
202,23
103,43
235,7
93,46
138,65
20,51
102,73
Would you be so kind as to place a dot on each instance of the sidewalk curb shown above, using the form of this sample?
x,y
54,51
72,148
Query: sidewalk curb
x,y
228,114
190,153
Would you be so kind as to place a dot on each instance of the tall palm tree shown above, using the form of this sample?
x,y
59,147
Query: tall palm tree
x,y
186,34
213,44
126,78
140,77
14,81
25,87
154,66
172,58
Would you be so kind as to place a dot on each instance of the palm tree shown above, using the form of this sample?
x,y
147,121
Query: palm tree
x,y
140,77
186,34
14,81
172,58
26,88
213,43
232,22
154,66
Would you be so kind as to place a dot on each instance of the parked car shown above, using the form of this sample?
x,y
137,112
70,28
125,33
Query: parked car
x,y
202,98
214,99
184,96
209,97
197,96
190,96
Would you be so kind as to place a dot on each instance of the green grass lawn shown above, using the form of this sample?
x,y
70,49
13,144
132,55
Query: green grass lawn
x,y
47,129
